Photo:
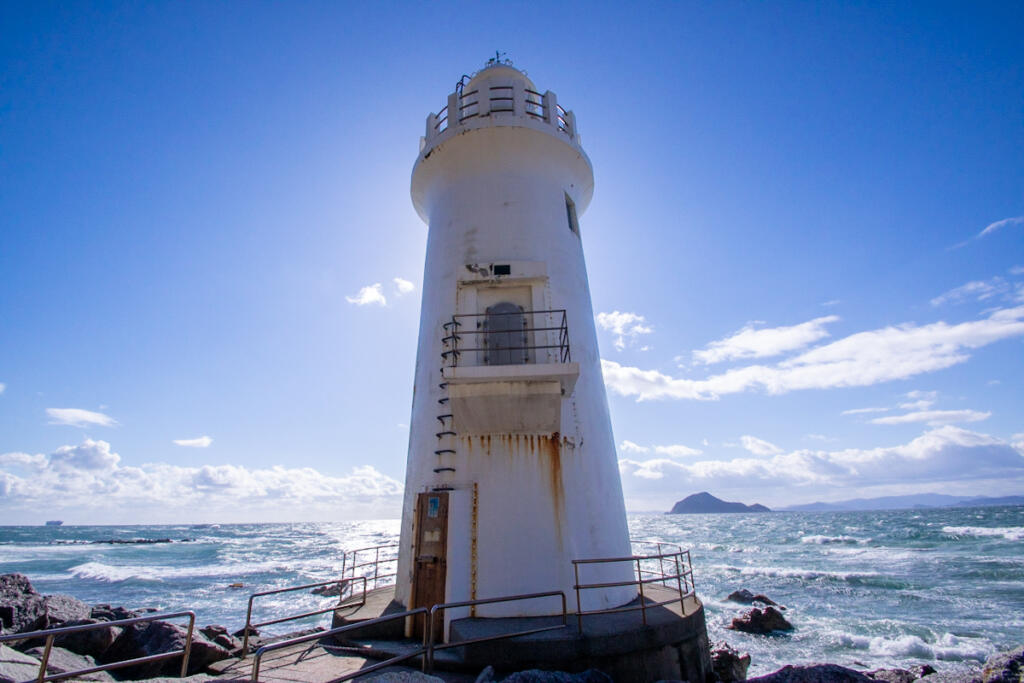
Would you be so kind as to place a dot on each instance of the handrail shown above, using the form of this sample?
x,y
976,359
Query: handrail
x,y
249,626
683,578
431,647
349,568
345,629
519,338
51,634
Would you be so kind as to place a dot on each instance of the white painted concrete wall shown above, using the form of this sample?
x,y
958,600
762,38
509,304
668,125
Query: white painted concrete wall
x,y
492,190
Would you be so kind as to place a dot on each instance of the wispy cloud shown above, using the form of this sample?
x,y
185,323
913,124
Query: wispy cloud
x,y
861,359
759,446
201,442
402,286
92,478
998,225
860,411
370,294
677,450
2,387
625,326
77,417
933,417
944,454
751,342
977,290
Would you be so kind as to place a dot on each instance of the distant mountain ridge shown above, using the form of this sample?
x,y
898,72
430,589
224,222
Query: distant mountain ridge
x,y
704,502
919,500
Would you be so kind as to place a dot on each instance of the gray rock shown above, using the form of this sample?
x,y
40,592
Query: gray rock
x,y
813,673
901,675
17,666
761,621
1004,667
21,608
330,590
144,639
539,676
728,664
92,643
108,613
219,635
747,598
62,661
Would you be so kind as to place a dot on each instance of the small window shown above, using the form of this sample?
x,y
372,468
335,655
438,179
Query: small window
x,y
503,270
570,210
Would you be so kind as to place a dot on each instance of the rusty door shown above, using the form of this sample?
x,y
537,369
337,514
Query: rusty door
x,y
431,565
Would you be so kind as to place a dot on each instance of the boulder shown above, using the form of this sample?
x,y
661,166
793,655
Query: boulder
x,y
1005,667
813,673
761,621
64,608
144,639
92,643
538,676
21,608
16,666
219,635
62,661
747,598
900,675
728,664
108,613
330,590
404,677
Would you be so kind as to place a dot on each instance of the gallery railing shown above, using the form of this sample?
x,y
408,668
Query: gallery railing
x,y
514,100
54,633
506,338
377,564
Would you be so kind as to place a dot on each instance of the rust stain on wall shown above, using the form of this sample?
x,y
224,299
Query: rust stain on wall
x,y
550,446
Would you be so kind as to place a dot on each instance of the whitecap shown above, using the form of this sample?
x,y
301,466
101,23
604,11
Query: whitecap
x,y
1010,533
824,540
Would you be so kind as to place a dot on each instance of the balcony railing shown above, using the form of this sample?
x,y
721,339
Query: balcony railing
x,y
506,338
501,99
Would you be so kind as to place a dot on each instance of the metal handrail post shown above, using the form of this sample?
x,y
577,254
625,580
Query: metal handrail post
x,y
639,578
188,644
579,605
248,621
46,659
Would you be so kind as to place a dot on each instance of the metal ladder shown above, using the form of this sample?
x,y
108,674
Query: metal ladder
x,y
445,451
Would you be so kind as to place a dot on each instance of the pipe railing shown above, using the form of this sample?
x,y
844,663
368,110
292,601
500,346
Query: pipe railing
x,y
348,629
683,578
432,647
350,564
342,583
503,99
52,634
505,338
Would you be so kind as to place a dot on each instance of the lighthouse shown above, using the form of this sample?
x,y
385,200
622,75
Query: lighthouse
x,y
512,472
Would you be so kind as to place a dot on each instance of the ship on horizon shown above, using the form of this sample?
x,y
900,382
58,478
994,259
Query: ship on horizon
x,y
54,522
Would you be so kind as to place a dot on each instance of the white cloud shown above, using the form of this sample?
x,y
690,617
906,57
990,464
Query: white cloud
x,y
92,480
933,417
677,450
370,294
402,286
978,290
859,411
992,227
76,417
201,442
861,359
2,387
751,342
624,325
831,302
630,447
1017,270
759,446
945,455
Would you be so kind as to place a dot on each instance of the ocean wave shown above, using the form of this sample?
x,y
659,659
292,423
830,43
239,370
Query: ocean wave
x,y
947,648
1010,533
99,571
824,540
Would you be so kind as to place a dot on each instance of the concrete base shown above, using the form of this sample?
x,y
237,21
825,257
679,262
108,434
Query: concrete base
x,y
673,644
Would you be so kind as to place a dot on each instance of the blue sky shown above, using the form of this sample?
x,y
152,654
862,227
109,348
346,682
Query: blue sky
x,y
806,247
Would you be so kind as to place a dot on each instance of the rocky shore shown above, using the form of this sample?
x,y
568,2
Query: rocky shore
x,y
23,610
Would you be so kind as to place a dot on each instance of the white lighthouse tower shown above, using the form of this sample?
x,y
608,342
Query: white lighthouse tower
x,y
512,472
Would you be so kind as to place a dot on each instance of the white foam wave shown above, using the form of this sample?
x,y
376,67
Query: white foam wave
x,y
825,540
1010,533
798,573
947,648
99,571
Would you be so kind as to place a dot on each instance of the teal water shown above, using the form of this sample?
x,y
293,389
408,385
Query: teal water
x,y
872,589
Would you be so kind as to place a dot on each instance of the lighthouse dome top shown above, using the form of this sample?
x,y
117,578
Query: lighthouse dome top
x,y
498,73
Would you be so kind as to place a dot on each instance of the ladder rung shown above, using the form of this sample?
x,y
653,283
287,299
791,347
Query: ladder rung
x,y
445,450
442,488
446,433
442,418
444,469
442,401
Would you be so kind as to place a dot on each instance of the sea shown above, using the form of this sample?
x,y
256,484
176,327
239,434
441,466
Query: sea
x,y
943,586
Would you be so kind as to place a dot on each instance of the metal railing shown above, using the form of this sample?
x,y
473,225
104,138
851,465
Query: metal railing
x,y
51,634
347,629
343,583
506,338
679,561
507,99
376,570
431,647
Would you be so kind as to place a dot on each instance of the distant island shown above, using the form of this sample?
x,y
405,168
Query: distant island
x,y
907,502
704,502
